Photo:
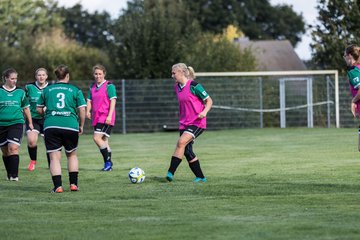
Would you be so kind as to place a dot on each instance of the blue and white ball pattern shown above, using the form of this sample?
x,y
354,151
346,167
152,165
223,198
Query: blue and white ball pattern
x,y
136,175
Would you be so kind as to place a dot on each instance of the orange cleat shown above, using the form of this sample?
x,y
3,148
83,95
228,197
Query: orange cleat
x,y
74,188
31,166
57,190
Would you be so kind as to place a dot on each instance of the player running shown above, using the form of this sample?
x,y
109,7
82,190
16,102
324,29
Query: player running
x,y
13,106
62,126
33,92
194,104
100,108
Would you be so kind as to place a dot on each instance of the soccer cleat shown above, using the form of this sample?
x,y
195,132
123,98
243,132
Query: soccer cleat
x,y
57,190
169,176
107,167
197,179
74,188
31,166
14,179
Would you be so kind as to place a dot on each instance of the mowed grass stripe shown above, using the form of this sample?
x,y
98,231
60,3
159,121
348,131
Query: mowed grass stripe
x,y
262,184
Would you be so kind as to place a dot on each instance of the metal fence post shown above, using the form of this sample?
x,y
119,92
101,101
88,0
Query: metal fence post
x,y
261,103
123,103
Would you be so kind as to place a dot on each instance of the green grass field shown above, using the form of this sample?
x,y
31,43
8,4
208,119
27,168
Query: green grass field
x,y
262,184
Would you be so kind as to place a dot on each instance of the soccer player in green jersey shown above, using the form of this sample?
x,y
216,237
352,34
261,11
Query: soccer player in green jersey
x,y
62,126
13,106
33,92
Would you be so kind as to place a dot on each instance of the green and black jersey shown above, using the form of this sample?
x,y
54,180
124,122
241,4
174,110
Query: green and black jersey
x,y
11,106
33,93
61,101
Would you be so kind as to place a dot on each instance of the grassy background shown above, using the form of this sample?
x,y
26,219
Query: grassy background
x,y
262,184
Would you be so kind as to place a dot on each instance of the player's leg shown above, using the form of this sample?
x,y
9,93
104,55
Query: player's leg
x,y
100,137
53,143
103,148
15,133
178,154
194,163
106,139
55,170
32,138
107,131
191,157
4,149
70,144
73,167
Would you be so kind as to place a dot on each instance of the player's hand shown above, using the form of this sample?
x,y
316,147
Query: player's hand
x,y
31,126
108,120
201,115
88,115
353,109
81,130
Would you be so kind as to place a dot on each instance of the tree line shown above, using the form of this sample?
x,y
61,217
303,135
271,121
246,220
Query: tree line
x,y
148,37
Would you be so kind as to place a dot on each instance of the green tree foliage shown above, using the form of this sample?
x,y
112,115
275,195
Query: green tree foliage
x,y
32,37
22,18
48,50
211,54
338,26
91,29
55,48
257,19
153,35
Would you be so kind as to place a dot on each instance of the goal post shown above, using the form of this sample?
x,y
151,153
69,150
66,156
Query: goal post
x,y
287,77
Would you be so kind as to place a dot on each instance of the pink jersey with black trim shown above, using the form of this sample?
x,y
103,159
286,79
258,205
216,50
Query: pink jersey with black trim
x,y
100,104
190,106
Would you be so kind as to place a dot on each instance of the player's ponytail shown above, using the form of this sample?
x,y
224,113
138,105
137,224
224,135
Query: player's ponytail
x,y
187,70
191,73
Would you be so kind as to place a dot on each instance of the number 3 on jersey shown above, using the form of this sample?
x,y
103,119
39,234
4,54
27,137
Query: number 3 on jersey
x,y
61,98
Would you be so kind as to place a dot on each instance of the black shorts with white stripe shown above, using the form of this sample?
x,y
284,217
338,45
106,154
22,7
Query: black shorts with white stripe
x,y
195,131
102,128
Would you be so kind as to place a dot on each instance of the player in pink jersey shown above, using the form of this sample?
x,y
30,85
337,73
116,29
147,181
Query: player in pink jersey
x,y
352,59
100,109
194,104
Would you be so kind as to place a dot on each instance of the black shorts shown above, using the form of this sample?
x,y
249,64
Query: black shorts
x,y
55,138
38,125
11,134
102,128
193,130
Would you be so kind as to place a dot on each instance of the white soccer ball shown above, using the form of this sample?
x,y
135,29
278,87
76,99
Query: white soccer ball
x,y
136,175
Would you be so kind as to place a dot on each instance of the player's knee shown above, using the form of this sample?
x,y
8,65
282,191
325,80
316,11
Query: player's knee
x,y
97,139
181,143
13,149
32,143
190,155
